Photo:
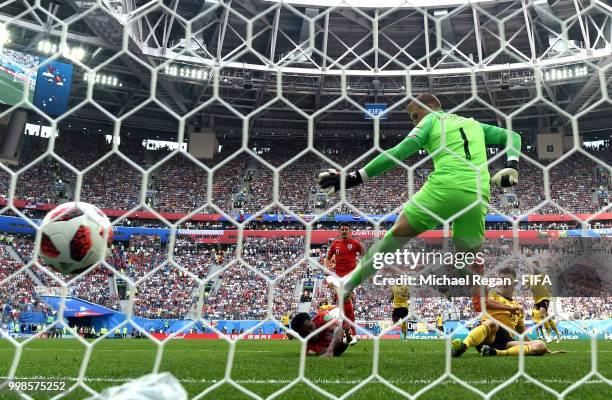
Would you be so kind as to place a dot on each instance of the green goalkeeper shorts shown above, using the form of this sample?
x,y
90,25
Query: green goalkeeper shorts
x,y
468,227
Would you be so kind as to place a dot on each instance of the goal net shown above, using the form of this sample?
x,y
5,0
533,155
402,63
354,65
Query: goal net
x,y
201,128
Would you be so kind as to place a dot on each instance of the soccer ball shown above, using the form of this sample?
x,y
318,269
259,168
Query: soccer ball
x,y
75,236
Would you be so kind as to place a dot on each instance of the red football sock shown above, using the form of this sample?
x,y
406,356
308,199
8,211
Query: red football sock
x,y
350,314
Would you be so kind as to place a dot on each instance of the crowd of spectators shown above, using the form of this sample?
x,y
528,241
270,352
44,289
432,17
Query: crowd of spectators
x,y
260,190
113,183
35,184
178,184
20,63
227,181
241,292
93,286
16,295
298,183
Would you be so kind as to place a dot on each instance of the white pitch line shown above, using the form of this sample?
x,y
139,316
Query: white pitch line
x,y
315,381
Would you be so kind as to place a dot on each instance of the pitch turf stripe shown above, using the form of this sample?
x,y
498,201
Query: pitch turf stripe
x,y
315,381
18,94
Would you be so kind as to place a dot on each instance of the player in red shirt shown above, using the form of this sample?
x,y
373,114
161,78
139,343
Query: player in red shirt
x,y
344,251
331,341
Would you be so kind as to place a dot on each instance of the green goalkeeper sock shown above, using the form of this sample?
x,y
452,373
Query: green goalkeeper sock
x,y
365,268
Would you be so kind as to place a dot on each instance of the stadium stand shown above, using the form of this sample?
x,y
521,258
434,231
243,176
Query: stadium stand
x,y
179,187
179,184
237,292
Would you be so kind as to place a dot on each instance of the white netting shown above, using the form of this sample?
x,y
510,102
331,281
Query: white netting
x,y
471,53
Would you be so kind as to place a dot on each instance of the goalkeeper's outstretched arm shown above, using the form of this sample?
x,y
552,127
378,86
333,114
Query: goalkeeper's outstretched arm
x,y
495,135
330,180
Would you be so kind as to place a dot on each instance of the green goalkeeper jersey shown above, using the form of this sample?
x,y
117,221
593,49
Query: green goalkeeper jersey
x,y
456,165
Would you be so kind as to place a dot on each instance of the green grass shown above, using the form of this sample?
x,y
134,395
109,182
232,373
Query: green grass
x,y
265,367
11,92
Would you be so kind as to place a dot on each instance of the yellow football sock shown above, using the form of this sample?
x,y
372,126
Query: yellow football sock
x,y
477,335
405,329
513,351
553,325
547,326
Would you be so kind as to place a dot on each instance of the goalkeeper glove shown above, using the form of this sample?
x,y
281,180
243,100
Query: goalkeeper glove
x,y
508,176
329,181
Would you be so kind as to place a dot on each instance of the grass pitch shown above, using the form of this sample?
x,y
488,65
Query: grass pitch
x,y
264,367
11,92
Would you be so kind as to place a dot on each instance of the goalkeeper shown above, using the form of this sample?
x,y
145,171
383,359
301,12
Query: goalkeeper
x,y
459,153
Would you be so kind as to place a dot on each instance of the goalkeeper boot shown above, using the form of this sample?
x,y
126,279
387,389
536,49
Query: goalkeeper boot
x,y
458,348
487,351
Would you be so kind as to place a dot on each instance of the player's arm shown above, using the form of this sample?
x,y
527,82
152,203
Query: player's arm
x,y
359,248
511,141
327,260
496,305
330,180
336,342
520,326
520,329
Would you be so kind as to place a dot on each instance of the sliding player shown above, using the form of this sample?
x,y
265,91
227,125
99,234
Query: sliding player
x,y
332,341
399,297
491,339
541,300
345,251
459,183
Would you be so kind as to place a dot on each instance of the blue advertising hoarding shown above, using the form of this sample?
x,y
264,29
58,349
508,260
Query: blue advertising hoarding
x,y
53,87
74,307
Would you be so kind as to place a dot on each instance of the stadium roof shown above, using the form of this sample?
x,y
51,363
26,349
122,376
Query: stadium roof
x,y
498,49
380,4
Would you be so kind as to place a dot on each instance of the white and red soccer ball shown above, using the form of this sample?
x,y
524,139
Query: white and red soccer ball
x,y
75,236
